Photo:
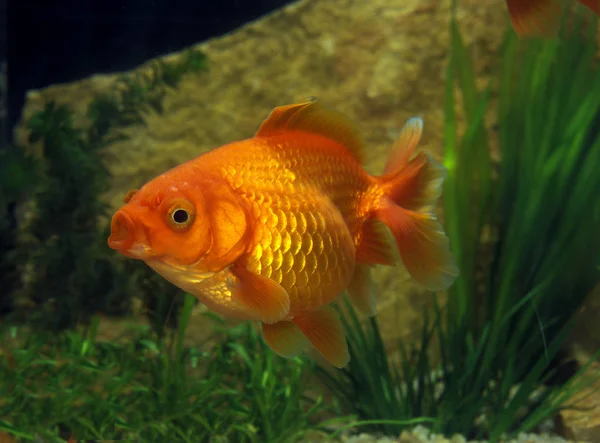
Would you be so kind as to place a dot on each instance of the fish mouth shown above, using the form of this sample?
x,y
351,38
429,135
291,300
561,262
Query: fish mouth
x,y
122,231
124,237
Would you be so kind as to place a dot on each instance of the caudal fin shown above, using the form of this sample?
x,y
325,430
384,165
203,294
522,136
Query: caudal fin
x,y
594,5
411,185
535,17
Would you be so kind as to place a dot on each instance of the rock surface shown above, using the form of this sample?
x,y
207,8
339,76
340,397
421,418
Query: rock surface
x,y
421,434
581,419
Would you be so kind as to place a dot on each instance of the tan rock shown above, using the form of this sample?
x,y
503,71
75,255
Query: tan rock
x,y
586,333
407,437
581,421
380,62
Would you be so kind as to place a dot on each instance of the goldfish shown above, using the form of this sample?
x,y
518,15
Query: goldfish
x,y
540,17
274,228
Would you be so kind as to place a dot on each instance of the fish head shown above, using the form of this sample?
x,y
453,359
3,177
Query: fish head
x,y
173,222
164,221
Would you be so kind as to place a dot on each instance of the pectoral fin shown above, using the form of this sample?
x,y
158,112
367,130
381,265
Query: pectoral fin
x,y
324,330
265,299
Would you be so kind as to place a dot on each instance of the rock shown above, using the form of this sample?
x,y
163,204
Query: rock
x,y
581,421
360,438
586,333
407,437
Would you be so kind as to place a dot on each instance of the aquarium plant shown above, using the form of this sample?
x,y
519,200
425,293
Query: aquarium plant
x,y
68,270
142,389
525,232
17,170
64,233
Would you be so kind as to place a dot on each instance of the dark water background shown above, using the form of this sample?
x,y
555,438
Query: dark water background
x,y
56,41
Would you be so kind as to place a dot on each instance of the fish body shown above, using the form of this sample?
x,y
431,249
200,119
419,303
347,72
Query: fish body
x,y
540,18
274,228
289,209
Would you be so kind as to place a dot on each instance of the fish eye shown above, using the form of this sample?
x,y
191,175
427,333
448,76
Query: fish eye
x,y
180,214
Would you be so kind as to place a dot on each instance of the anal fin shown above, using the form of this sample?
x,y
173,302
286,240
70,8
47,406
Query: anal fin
x,y
325,332
377,244
285,338
360,290
265,299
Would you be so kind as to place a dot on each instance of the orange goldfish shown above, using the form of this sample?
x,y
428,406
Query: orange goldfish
x,y
540,17
275,227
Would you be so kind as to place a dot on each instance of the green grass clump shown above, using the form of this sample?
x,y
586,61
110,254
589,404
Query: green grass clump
x,y
67,271
151,390
64,244
16,170
525,233
142,90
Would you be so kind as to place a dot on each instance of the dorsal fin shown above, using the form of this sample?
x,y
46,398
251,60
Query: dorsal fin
x,y
405,145
311,116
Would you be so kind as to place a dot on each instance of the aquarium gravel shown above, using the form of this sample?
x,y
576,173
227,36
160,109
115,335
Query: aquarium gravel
x,y
420,434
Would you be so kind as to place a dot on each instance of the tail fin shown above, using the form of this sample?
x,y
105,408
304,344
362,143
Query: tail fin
x,y
594,5
535,17
410,186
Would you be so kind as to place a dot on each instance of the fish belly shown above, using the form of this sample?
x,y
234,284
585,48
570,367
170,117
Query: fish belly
x,y
213,289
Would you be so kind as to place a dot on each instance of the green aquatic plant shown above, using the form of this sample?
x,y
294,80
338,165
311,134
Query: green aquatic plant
x,y
65,253
17,172
73,274
531,218
375,390
152,390
279,412
141,90
525,233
